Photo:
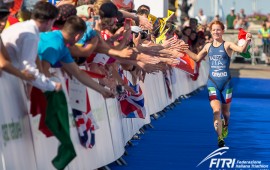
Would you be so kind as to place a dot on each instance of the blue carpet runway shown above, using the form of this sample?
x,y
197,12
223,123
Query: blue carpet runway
x,y
185,136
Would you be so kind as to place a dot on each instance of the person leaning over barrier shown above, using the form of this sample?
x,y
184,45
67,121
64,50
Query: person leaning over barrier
x,y
21,42
53,52
4,57
219,82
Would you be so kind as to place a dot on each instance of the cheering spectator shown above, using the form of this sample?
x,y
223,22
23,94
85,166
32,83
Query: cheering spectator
x,y
21,42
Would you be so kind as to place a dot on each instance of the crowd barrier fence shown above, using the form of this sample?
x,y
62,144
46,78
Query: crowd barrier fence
x,y
23,146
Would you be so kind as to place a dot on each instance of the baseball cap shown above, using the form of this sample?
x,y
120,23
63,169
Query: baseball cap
x,y
232,9
109,10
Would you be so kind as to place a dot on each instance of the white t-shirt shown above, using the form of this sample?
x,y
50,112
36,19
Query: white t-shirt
x,y
21,41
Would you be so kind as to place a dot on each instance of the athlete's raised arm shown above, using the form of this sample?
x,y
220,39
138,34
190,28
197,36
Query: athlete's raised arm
x,y
243,48
200,55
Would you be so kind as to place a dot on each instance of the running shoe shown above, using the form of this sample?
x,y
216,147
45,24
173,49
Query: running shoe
x,y
221,142
225,131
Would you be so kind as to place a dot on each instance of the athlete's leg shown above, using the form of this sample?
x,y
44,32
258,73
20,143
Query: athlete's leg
x,y
216,106
226,113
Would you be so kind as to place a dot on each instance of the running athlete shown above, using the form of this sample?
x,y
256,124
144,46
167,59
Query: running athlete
x,y
219,80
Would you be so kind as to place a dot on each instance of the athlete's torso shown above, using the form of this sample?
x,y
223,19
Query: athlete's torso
x,y
219,62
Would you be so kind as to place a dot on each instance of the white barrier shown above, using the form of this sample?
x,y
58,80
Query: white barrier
x,y
23,146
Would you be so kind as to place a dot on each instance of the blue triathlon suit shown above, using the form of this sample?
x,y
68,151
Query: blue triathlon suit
x,y
219,80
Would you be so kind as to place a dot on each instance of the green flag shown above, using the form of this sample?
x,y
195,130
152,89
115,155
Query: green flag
x,y
57,121
247,53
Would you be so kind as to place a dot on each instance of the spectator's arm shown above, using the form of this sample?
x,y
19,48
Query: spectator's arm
x,y
84,51
137,18
6,65
104,48
84,78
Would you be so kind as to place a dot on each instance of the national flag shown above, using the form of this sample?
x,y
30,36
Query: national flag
x,y
162,37
196,72
152,18
16,7
58,122
38,106
85,127
241,41
212,93
186,64
229,95
84,120
131,105
170,13
163,24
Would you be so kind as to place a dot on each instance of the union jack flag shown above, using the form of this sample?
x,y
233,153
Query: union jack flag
x,y
86,124
131,105
86,127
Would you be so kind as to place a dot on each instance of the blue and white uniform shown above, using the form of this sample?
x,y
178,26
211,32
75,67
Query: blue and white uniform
x,y
219,80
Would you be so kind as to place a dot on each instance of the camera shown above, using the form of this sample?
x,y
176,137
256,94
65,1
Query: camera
x,y
136,30
144,34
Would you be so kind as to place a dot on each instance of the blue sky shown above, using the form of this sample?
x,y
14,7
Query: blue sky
x,y
262,5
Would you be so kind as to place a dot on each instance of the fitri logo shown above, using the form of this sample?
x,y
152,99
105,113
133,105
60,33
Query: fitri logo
x,y
231,163
219,162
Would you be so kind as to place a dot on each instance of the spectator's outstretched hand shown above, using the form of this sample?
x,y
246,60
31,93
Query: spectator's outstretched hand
x,y
170,61
58,87
148,59
27,76
137,40
126,34
153,50
126,53
169,42
119,31
107,93
180,47
152,68
145,23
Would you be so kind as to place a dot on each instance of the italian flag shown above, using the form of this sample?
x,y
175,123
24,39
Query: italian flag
x,y
241,41
212,93
229,95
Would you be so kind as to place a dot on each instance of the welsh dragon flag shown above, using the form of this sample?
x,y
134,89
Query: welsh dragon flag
x,y
241,41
